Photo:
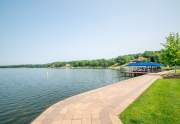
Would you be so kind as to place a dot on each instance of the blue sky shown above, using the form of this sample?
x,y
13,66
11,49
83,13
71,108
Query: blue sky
x,y
42,31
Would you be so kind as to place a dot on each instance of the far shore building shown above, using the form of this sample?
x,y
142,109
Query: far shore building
x,y
68,65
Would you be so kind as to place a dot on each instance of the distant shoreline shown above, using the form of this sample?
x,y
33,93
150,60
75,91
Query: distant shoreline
x,y
112,63
64,67
112,68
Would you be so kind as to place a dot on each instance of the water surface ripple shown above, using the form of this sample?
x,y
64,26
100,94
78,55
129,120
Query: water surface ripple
x,y
26,92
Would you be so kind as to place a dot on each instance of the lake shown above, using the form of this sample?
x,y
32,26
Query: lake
x,y
26,92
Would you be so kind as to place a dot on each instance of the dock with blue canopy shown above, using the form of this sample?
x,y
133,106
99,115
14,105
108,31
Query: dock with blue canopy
x,y
140,68
145,64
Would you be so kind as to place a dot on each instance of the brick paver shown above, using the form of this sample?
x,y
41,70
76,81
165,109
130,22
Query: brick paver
x,y
99,106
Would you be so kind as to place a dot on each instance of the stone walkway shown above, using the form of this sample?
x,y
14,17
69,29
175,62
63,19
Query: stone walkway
x,y
99,106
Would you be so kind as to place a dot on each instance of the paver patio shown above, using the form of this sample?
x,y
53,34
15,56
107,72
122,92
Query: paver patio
x,y
99,106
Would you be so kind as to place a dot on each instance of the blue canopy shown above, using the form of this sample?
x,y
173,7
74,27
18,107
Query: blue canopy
x,y
152,64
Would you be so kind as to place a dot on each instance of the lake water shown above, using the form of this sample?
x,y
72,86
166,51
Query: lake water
x,y
25,93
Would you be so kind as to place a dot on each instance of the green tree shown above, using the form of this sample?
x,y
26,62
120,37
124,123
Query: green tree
x,y
170,54
121,60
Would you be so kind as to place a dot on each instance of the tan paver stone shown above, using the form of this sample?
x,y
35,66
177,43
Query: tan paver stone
x,y
95,121
76,121
66,122
86,121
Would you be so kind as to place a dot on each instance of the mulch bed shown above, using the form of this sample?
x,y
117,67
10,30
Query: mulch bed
x,y
171,75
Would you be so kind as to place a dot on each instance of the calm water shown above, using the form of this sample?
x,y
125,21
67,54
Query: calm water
x,y
25,93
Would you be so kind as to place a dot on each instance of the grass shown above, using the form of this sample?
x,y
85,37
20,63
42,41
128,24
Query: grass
x,y
160,104
177,71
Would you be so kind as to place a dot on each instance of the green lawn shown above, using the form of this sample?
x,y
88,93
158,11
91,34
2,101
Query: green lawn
x,y
177,71
160,104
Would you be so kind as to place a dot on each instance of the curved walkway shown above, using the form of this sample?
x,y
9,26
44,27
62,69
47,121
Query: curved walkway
x,y
99,106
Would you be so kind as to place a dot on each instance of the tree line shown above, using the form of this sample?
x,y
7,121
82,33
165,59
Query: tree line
x,y
152,56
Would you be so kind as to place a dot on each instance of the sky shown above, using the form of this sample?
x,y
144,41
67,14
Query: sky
x,y
43,31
